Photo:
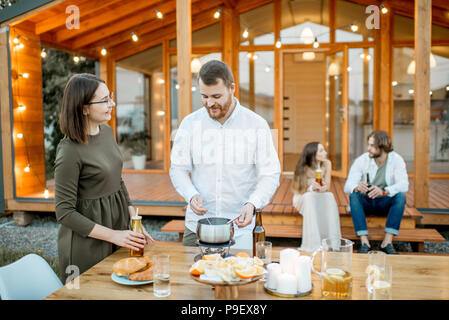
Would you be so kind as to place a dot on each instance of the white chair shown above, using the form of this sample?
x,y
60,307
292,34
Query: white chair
x,y
29,278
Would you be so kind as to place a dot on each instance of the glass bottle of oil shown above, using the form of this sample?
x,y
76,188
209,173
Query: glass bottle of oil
x,y
258,231
136,226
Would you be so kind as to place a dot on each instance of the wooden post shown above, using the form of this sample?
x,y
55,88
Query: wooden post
x,y
230,29
184,53
383,108
107,73
423,25
278,99
5,117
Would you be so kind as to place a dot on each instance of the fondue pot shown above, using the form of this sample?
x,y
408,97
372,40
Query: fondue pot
x,y
215,230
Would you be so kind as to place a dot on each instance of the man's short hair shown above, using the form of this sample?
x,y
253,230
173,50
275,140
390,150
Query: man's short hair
x,y
213,70
381,140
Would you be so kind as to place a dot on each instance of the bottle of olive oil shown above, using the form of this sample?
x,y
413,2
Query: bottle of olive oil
x,y
258,231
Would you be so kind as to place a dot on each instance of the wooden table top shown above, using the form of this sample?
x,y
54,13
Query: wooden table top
x,y
414,277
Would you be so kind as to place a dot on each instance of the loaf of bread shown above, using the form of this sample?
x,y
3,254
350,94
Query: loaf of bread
x,y
145,275
127,266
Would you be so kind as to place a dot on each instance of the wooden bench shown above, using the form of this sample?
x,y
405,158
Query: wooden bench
x,y
415,236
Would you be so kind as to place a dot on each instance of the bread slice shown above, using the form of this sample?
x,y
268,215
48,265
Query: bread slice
x,y
126,266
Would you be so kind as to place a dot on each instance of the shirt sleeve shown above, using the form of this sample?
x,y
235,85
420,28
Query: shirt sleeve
x,y
125,191
182,164
400,178
67,171
268,168
354,177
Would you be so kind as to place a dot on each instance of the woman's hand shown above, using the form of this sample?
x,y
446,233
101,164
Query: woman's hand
x,y
318,188
128,239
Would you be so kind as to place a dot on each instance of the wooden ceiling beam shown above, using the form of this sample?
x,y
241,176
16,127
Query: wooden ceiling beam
x,y
109,16
149,40
85,8
243,6
149,26
128,23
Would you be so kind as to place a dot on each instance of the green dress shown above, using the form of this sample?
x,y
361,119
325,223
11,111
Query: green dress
x,y
89,190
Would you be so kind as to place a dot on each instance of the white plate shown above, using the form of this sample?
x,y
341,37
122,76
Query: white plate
x,y
124,280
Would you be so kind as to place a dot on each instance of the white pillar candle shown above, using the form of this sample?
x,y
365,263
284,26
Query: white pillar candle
x,y
286,283
287,260
303,273
274,270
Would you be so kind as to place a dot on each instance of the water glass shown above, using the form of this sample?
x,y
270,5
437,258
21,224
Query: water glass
x,y
382,284
376,265
161,275
263,251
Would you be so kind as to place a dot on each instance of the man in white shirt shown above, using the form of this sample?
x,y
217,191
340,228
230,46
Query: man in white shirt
x,y
377,183
223,160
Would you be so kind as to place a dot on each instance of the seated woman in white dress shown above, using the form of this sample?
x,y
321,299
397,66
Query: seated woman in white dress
x,y
315,202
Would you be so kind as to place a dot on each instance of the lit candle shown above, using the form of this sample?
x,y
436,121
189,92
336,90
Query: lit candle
x,y
303,266
287,260
274,270
286,283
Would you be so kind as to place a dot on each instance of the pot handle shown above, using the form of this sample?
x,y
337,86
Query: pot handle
x,y
313,258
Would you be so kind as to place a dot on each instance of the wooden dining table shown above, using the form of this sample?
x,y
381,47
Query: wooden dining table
x,y
415,277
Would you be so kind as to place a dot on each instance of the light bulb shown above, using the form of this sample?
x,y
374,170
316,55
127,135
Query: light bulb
x,y
20,46
354,27
177,86
43,53
134,37
103,51
383,9
394,83
76,59
217,14
278,44
46,194
161,81
25,75
255,57
160,113
159,14
16,40
267,69
249,55
315,43
193,89
27,168
411,91
245,33
22,107
20,135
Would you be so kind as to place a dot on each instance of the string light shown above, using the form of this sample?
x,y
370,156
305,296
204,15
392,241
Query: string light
x,y
267,69
354,27
20,46
46,194
16,39
134,37
394,83
249,55
245,33
255,57
43,53
384,10
76,59
217,14
21,107
103,51
315,43
278,44
20,135
159,14
27,168
25,75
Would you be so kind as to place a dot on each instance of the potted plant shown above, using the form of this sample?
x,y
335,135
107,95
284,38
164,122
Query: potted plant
x,y
137,144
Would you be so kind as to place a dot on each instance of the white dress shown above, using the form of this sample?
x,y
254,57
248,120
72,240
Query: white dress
x,y
320,218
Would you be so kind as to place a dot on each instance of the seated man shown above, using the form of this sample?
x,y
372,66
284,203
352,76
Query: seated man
x,y
376,183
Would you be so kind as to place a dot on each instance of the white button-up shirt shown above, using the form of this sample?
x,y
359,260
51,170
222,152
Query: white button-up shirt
x,y
228,165
395,173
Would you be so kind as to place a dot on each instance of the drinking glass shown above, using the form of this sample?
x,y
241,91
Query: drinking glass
x,y
376,265
161,275
263,251
382,284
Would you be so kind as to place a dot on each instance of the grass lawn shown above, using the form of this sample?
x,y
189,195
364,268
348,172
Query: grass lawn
x,y
8,255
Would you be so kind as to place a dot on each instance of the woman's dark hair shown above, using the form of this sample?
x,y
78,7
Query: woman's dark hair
x,y
78,92
381,140
307,160
213,70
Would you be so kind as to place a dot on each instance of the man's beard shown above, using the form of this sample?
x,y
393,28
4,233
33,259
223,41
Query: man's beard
x,y
374,155
223,109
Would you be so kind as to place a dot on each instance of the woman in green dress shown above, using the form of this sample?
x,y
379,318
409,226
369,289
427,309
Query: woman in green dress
x,y
91,201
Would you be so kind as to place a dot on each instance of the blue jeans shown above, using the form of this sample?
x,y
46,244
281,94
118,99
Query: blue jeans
x,y
392,207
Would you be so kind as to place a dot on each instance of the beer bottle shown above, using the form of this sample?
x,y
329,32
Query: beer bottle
x,y
136,226
319,176
258,231
367,180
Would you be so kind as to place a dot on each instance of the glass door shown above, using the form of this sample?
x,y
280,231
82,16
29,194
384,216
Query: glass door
x,y
336,116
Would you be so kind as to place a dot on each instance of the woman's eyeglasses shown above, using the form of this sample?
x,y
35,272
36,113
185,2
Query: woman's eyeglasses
x,y
110,99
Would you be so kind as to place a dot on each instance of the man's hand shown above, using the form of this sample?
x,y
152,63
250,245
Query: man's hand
x,y
196,203
247,212
362,187
375,192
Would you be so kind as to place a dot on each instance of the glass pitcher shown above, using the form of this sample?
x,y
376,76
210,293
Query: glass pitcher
x,y
336,263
